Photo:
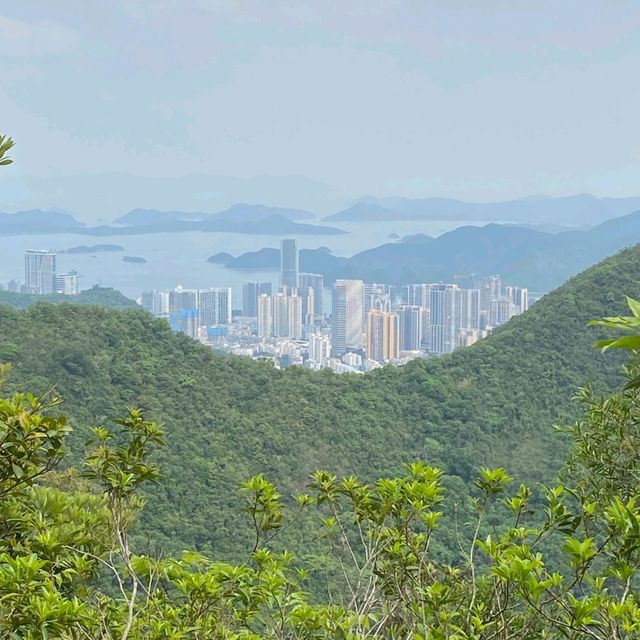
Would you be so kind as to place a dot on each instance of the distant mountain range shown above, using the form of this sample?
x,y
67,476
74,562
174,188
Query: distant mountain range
x,y
238,213
522,256
583,209
241,218
39,221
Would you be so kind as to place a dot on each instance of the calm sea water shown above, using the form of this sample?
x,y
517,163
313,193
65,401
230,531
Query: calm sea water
x,y
180,258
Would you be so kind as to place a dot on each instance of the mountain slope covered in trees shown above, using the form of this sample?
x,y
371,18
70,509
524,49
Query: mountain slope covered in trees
x,y
227,418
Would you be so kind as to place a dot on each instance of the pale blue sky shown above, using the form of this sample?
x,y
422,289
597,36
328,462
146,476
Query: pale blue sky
x,y
482,99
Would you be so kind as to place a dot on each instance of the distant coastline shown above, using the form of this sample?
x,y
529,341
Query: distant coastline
x,y
95,248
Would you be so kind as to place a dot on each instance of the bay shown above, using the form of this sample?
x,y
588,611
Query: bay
x,y
181,258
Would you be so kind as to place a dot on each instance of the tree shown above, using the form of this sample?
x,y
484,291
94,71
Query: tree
x,y
565,569
6,143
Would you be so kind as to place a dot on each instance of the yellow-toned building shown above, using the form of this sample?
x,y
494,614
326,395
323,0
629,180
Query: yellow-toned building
x,y
383,340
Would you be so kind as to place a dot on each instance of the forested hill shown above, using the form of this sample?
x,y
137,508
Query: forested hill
x,y
227,418
102,296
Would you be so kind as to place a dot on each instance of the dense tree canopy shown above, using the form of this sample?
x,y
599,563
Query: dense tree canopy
x,y
68,568
228,418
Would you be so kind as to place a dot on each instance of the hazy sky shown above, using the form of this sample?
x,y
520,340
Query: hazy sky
x,y
479,100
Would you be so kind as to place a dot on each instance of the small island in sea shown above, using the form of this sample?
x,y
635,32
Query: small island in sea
x,y
94,248
135,259
220,258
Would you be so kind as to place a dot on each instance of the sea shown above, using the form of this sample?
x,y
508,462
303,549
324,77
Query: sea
x,y
181,258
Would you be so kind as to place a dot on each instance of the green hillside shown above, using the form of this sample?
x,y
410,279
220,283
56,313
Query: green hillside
x,y
227,418
102,296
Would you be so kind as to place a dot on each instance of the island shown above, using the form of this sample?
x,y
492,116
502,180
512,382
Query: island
x,y
220,258
94,248
135,259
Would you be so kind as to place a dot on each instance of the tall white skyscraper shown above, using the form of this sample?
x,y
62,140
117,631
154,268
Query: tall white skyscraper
x,y
347,315
468,309
40,271
442,327
214,306
265,315
295,317
281,315
289,264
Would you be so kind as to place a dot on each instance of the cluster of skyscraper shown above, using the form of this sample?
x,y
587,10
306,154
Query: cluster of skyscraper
x,y
41,277
429,318
295,307
192,311
370,324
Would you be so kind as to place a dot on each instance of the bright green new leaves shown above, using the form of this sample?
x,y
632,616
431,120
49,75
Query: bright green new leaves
x,y
31,442
6,143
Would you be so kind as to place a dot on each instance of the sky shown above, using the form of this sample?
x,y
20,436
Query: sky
x,y
478,100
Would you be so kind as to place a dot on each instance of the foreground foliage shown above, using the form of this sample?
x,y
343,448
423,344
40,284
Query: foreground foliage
x,y
68,568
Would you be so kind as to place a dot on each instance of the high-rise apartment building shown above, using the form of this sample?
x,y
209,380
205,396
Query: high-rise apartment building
x,y
280,315
314,281
214,306
442,327
519,297
467,309
410,328
289,264
40,271
347,315
501,311
382,337
376,296
181,299
308,296
265,315
68,283
295,317
157,302
417,295
319,348
250,293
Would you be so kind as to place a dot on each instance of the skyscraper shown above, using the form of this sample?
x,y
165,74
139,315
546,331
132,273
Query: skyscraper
x,y
295,317
519,297
40,271
410,328
501,311
214,306
347,315
316,282
280,315
467,309
289,264
181,299
377,296
265,315
442,328
382,343
308,296
250,293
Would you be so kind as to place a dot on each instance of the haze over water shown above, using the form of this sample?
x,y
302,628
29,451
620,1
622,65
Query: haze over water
x,y
180,258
